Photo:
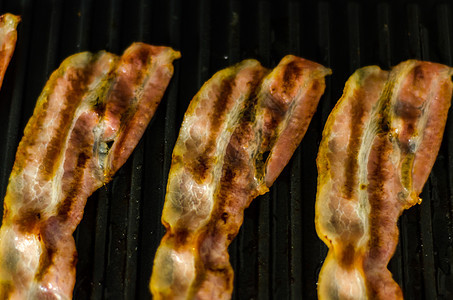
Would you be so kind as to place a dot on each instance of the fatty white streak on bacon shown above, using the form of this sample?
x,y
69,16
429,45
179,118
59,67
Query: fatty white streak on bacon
x,y
379,145
91,100
241,115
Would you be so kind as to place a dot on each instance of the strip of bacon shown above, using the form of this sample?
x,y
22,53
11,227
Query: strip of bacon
x,y
379,145
241,115
92,100
8,37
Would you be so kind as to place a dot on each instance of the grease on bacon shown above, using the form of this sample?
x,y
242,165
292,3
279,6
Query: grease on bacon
x,y
242,115
379,145
89,102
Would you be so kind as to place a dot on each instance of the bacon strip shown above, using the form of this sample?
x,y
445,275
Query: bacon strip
x,y
241,115
379,145
90,101
8,37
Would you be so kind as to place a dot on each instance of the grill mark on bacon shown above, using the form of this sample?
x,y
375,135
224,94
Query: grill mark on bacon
x,y
382,218
28,220
218,113
230,197
122,88
29,141
249,117
6,289
350,171
100,107
249,112
203,163
51,235
292,72
270,124
418,76
115,105
45,262
79,147
74,190
348,256
200,267
121,140
383,122
377,177
407,111
180,237
72,100
383,231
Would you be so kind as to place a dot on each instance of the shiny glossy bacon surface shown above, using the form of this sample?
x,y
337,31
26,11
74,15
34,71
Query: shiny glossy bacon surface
x,y
379,145
90,102
8,37
238,133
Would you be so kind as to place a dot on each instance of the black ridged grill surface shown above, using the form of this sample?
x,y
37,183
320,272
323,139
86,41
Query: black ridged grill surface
x,y
277,254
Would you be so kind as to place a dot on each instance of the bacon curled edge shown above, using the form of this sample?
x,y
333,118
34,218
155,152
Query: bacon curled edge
x,y
89,102
241,115
8,38
378,147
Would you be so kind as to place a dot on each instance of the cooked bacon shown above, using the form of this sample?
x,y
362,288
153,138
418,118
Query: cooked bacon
x,y
241,115
379,145
92,100
8,37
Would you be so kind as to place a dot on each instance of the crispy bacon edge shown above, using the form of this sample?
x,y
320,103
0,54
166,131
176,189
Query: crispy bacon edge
x,y
91,101
379,145
8,38
238,133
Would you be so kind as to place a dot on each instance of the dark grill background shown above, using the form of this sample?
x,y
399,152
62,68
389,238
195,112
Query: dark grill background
x,y
277,253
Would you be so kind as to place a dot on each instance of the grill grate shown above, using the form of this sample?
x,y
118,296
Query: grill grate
x,y
277,253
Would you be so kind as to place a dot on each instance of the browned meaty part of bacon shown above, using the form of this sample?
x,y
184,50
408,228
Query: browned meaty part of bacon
x,y
8,38
379,145
90,101
241,115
